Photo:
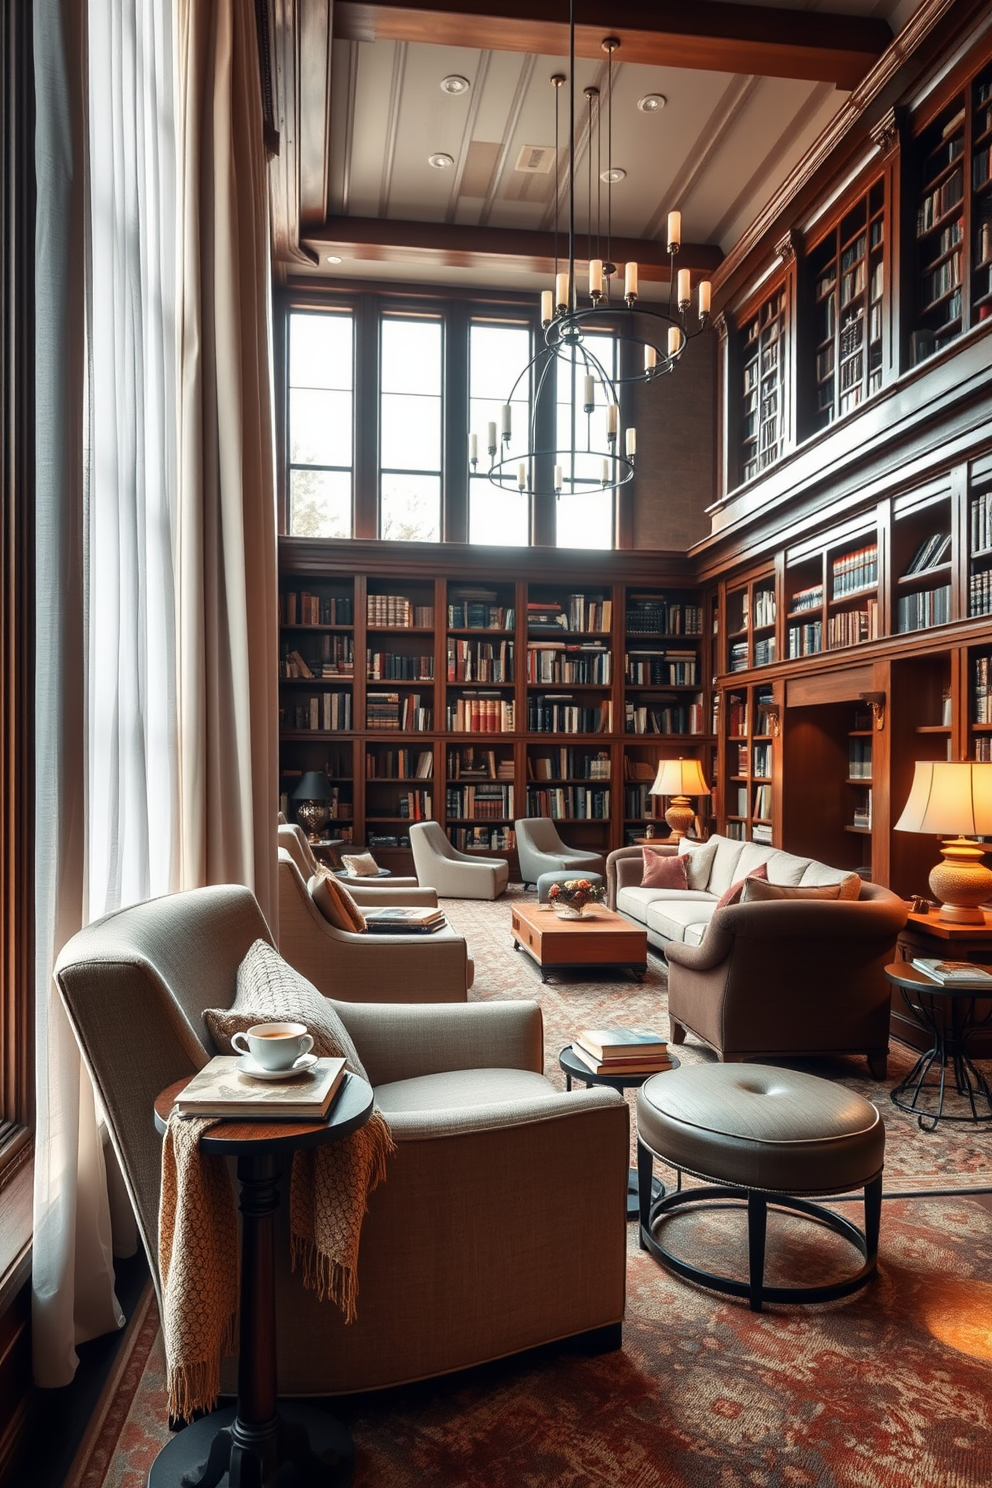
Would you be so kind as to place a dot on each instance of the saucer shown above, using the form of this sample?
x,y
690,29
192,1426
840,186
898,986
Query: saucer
x,y
247,1066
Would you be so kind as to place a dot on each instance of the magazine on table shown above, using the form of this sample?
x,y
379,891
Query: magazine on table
x,y
954,973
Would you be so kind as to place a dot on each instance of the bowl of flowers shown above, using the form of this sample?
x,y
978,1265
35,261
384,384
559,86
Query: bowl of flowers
x,y
568,900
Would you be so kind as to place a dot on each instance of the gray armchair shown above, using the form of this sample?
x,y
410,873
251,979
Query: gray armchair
x,y
397,890
501,1222
541,850
368,967
454,874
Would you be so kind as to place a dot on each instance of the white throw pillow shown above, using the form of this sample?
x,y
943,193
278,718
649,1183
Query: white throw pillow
x,y
360,865
701,855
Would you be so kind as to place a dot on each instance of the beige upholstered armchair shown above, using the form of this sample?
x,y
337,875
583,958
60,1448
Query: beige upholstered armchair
x,y
454,874
500,1225
541,850
368,967
397,890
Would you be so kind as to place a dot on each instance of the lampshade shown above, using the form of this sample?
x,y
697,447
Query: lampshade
x,y
949,798
314,786
679,777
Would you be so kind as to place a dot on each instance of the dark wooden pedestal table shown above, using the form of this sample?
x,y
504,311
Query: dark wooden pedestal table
x,y
574,1069
952,1015
255,1441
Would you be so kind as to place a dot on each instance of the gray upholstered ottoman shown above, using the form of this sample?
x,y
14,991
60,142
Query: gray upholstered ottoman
x,y
547,879
760,1136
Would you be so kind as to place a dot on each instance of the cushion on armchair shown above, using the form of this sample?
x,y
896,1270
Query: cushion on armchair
x,y
755,892
663,871
336,904
360,865
269,989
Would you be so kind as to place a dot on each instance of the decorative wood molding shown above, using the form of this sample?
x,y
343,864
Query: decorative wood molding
x,y
285,202
722,327
789,246
886,134
745,39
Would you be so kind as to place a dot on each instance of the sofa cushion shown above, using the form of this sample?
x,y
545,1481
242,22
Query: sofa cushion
x,y
753,855
701,856
671,915
733,894
820,873
336,904
269,988
664,870
694,933
786,868
635,901
756,892
723,871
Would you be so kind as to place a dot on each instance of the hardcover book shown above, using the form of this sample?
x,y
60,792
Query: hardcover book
x,y
616,1043
958,973
222,1089
644,1064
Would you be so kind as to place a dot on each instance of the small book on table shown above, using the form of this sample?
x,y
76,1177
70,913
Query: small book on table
x,y
954,973
221,1089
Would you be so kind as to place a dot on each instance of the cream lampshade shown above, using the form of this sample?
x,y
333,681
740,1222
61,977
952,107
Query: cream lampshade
x,y
954,799
680,779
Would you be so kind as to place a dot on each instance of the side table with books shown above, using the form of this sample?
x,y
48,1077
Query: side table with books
x,y
622,1058
929,935
951,1001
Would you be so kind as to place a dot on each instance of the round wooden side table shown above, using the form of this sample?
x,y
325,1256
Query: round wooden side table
x,y
256,1439
574,1069
951,1016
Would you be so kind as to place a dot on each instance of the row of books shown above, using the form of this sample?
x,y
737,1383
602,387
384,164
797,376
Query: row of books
x,y
764,607
388,710
664,717
851,627
920,611
566,763
558,713
336,657
763,760
982,689
582,613
575,665
855,570
315,609
397,610
804,640
980,522
481,713
481,801
648,614
483,839
662,668
859,759
480,615
391,666
810,598
478,764
764,651
479,661
569,802
930,552
399,764
980,593
326,713
415,805
937,203
737,657
940,280
862,813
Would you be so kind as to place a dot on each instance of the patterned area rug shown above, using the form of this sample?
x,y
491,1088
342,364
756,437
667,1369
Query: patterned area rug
x,y
891,1388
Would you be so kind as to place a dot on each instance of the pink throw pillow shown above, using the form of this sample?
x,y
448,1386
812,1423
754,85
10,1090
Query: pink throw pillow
x,y
733,894
664,871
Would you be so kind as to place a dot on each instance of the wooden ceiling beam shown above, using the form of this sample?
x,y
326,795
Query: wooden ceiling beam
x,y
376,240
704,34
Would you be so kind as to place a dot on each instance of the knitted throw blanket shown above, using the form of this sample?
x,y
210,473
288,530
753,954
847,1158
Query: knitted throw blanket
x,y
198,1244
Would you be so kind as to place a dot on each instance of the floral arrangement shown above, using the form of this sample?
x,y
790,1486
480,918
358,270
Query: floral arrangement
x,y
575,893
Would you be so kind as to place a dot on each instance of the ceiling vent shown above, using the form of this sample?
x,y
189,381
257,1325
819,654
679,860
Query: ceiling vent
x,y
536,159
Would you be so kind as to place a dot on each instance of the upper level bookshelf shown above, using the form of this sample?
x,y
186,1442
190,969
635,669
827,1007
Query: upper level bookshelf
x,y
848,273
763,385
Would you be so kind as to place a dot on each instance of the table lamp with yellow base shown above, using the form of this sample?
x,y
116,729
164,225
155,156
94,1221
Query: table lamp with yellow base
x,y
680,779
953,799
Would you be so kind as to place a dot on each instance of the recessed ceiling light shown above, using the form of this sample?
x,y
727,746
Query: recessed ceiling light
x,y
334,258
454,84
613,175
651,103
440,161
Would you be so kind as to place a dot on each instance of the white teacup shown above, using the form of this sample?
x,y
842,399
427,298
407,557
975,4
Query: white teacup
x,y
274,1046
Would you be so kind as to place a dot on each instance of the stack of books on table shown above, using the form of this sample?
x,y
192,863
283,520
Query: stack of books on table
x,y
413,920
622,1051
954,973
225,1088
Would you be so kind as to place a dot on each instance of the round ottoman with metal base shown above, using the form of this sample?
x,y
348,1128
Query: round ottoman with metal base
x,y
559,877
760,1136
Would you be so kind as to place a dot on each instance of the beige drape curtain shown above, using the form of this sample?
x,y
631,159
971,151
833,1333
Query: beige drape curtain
x,y
156,750
226,541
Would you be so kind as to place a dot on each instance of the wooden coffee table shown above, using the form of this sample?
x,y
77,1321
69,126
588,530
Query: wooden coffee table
x,y
600,938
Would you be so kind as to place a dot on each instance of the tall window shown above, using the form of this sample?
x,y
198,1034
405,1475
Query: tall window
x,y
321,423
497,355
410,429
585,516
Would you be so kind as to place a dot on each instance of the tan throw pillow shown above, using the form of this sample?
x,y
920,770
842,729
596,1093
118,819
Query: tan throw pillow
x,y
270,989
664,870
755,891
850,887
336,904
360,865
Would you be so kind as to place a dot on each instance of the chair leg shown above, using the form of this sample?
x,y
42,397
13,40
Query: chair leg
x,y
676,1032
757,1219
873,1217
877,1065
645,1175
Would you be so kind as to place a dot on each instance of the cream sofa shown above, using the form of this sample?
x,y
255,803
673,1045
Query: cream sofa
x,y
684,914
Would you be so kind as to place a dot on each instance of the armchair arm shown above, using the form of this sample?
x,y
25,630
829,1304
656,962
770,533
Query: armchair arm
x,y
624,870
712,949
391,894
401,1040
557,1105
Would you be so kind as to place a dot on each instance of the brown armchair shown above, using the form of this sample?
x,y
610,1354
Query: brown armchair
x,y
790,978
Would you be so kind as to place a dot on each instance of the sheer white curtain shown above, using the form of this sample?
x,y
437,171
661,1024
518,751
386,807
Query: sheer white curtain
x,y
156,714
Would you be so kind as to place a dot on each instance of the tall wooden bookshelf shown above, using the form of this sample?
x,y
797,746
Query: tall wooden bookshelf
x,y
480,691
